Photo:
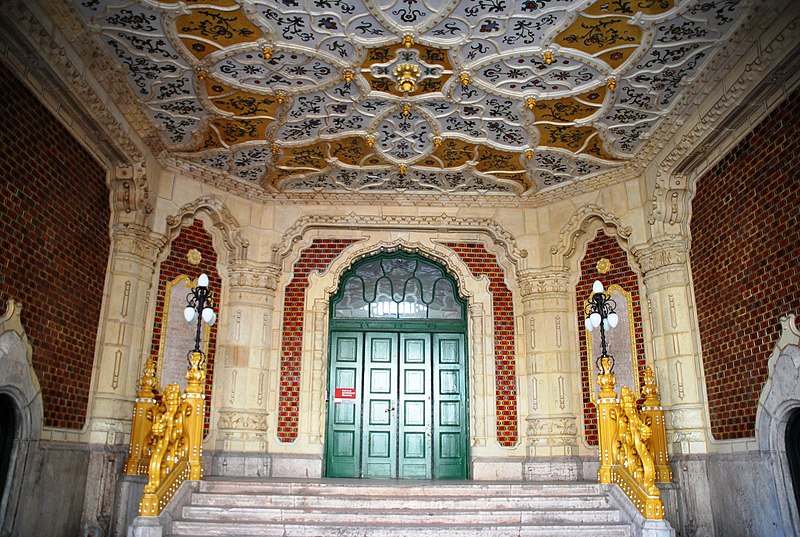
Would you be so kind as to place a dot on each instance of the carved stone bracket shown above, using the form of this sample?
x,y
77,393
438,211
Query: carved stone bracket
x,y
131,194
137,241
439,224
221,220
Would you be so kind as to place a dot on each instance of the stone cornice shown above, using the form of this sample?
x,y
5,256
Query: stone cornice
x,y
440,224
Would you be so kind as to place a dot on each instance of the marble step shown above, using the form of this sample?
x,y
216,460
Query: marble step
x,y
346,500
217,529
396,516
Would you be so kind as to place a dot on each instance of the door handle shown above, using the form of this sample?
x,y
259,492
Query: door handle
x,y
389,409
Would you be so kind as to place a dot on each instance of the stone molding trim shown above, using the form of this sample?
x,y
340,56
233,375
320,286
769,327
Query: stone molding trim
x,y
439,224
18,380
674,183
256,277
779,399
222,221
579,225
22,22
543,282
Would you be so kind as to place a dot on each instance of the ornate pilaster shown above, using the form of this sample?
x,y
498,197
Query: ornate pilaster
x,y
552,421
676,357
244,345
122,341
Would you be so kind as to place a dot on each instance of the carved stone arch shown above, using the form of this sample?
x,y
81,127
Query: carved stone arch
x,y
780,398
19,382
586,220
361,251
224,227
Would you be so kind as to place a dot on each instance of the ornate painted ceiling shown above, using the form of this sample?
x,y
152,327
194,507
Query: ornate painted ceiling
x,y
473,96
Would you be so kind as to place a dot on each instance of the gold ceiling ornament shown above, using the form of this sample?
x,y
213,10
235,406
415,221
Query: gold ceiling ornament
x,y
408,40
437,142
603,266
201,74
406,110
267,52
401,169
370,139
465,78
281,98
348,75
407,75
529,154
274,148
548,57
530,103
611,83
194,257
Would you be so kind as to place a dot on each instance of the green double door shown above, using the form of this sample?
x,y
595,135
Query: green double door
x,y
397,406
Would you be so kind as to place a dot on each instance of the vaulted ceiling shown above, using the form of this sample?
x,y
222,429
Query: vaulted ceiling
x,y
496,97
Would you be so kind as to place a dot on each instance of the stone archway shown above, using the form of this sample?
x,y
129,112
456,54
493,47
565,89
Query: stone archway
x,y
779,400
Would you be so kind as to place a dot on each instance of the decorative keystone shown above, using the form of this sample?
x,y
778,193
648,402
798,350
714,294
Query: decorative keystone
x,y
529,154
348,75
530,103
548,57
611,83
408,40
465,78
267,52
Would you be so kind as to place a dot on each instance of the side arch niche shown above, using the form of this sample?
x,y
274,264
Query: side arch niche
x,y
21,394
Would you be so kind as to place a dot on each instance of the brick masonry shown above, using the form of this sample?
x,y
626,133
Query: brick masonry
x,y
745,261
54,247
177,264
605,246
483,263
315,257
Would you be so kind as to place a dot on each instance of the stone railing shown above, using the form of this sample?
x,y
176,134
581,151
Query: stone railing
x,y
166,437
633,450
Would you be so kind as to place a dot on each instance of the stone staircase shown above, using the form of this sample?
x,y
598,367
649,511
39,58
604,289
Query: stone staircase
x,y
351,508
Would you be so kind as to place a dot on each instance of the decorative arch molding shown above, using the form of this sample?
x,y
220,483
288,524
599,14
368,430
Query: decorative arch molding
x,y
779,399
223,223
362,250
581,223
438,224
18,381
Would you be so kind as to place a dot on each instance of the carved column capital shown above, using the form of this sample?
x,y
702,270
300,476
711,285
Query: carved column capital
x,y
664,254
254,277
534,283
137,241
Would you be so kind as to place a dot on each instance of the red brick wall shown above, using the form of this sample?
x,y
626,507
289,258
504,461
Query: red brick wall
x,y
54,247
316,257
745,262
482,262
177,264
605,246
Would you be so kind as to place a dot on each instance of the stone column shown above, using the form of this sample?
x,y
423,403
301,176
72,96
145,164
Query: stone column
x,y
123,340
676,358
243,346
552,378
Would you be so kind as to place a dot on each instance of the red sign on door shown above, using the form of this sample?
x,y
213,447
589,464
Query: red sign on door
x,y
345,393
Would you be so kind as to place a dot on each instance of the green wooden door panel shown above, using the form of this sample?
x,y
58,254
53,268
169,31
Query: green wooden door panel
x,y
344,422
380,405
450,437
408,418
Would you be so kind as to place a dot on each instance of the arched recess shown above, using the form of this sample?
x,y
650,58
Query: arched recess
x,y
366,236
595,236
20,387
779,400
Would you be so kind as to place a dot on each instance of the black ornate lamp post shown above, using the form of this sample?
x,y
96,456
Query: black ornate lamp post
x,y
600,313
200,308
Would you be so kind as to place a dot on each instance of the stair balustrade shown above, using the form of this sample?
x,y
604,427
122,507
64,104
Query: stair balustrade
x,y
633,450
166,437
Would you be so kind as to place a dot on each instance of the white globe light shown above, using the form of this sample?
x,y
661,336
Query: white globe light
x,y
213,319
589,326
597,287
613,319
189,314
595,319
208,314
202,281
606,326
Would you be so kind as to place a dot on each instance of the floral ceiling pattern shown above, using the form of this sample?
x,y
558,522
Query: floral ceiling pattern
x,y
472,96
